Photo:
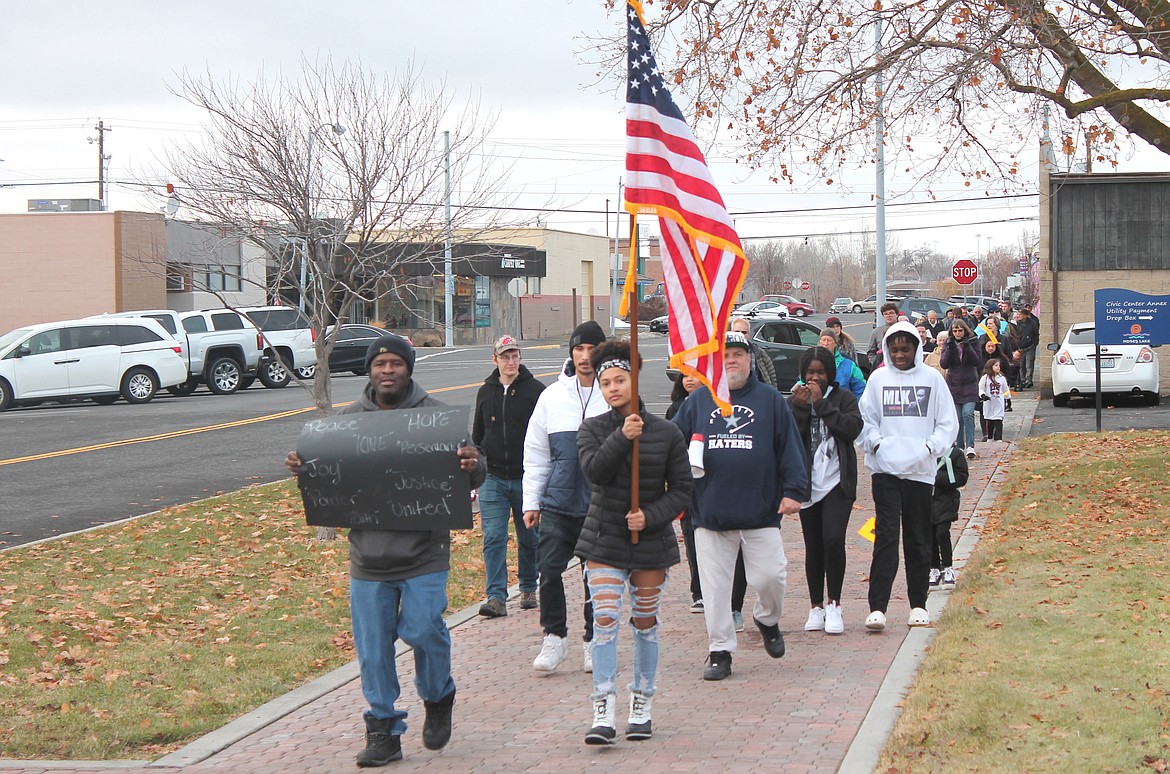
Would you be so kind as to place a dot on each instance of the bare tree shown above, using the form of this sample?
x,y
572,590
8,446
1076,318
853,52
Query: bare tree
x,y
337,175
767,267
965,84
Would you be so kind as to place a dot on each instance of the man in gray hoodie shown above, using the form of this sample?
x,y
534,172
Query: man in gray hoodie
x,y
398,583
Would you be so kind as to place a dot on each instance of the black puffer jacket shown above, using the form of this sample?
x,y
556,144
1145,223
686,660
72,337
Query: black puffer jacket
x,y
842,416
501,419
664,491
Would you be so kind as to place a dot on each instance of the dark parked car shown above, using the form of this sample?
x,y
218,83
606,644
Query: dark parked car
x,y
785,340
349,353
660,324
918,306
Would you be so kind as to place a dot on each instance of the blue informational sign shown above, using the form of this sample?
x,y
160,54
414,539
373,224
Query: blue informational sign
x,y
1129,317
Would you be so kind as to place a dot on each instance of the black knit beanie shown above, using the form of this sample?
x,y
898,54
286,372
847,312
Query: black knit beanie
x,y
588,332
393,344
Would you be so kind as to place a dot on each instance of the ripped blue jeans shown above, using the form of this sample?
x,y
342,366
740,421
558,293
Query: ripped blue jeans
x,y
607,587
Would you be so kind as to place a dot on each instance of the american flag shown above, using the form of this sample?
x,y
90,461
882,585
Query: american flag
x,y
703,264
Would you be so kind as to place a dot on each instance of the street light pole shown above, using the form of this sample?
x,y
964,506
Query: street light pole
x,y
979,262
986,255
338,130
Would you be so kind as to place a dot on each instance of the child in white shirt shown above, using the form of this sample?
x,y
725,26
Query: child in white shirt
x,y
994,392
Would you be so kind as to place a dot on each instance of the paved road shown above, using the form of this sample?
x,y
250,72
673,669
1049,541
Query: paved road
x,y
212,443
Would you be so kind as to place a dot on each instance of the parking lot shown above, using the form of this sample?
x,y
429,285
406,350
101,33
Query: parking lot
x,y
1118,413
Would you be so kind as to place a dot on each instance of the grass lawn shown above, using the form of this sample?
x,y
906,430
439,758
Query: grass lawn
x,y
1054,652
130,641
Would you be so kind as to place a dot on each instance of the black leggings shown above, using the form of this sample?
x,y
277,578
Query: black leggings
x,y
688,530
824,525
995,429
940,550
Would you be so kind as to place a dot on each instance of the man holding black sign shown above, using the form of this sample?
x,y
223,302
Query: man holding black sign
x,y
398,583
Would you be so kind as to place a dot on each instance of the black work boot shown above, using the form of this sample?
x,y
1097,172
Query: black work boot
x,y
382,747
437,726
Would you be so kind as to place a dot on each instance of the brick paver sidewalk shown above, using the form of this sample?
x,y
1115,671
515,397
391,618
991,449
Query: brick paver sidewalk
x,y
798,713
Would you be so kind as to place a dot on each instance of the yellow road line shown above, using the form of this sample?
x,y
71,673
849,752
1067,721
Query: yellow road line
x,y
197,430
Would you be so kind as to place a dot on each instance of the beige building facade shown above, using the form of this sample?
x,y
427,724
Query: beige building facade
x,y
66,265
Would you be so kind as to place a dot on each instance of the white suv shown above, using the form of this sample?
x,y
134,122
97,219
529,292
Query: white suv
x,y
102,359
290,342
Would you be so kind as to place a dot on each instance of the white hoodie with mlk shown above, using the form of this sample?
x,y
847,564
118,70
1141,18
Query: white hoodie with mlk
x,y
910,419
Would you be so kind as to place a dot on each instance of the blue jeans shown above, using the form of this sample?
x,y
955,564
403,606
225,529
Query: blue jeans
x,y
383,611
966,435
558,540
606,587
499,498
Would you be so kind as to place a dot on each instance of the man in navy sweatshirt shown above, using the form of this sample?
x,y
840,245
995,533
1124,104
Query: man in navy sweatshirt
x,y
753,475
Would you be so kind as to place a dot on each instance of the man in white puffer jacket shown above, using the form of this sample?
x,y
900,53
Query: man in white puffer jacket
x,y
556,492
910,422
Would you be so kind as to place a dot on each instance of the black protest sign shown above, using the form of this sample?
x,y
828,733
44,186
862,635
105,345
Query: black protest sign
x,y
389,470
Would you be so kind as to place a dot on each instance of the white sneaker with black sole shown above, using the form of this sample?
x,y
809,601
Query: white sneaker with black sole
x,y
638,726
603,730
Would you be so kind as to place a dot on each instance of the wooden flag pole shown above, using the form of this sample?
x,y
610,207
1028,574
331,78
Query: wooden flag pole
x,y
634,368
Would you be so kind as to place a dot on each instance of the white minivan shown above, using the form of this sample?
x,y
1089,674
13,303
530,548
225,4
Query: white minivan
x,y
102,359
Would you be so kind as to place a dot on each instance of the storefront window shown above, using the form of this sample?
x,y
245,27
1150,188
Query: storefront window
x,y
464,302
483,302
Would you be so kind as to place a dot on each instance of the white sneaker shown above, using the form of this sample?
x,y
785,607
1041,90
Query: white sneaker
x,y
834,621
948,579
587,662
970,452
552,653
876,621
919,617
816,620
935,575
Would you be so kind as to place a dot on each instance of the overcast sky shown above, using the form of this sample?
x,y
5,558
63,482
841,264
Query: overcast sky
x,y
68,64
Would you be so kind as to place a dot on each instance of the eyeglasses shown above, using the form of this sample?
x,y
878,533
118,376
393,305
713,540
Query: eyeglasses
x,y
957,329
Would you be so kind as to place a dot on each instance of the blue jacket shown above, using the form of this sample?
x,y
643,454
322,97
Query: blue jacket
x,y
849,376
752,459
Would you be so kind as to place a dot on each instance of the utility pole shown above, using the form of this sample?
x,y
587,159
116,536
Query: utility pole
x,y
880,180
102,160
448,276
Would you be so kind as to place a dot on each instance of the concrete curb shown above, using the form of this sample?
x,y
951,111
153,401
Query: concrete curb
x,y
865,750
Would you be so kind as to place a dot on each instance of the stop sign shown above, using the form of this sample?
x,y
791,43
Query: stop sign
x,y
805,286
786,285
965,271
